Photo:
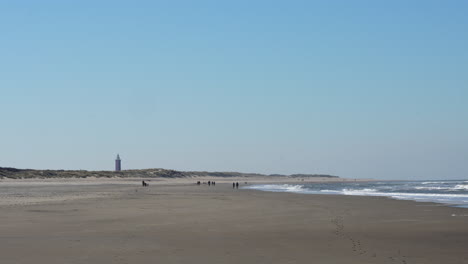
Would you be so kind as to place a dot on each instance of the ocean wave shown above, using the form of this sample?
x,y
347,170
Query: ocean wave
x,y
365,190
427,197
432,188
436,182
457,187
277,187
402,194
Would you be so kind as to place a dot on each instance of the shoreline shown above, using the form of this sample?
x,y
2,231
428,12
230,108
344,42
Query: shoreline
x,y
125,183
406,191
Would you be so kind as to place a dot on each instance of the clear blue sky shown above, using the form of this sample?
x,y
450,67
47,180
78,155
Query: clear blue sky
x,y
352,88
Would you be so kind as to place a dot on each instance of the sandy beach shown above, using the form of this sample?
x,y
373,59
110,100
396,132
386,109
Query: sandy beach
x,y
179,222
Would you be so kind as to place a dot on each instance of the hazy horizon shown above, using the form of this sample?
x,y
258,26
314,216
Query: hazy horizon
x,y
368,89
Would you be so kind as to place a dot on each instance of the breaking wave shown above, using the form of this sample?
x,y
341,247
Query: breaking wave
x,y
446,192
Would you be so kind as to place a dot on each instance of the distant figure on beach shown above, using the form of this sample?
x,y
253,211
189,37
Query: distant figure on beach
x,y
233,185
237,185
214,183
144,183
209,183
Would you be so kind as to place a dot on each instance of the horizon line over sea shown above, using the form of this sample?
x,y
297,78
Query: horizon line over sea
x,y
447,192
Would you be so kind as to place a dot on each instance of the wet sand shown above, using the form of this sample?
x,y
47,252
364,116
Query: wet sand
x,y
185,223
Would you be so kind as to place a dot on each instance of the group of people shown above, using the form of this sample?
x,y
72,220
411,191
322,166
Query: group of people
x,y
209,183
235,185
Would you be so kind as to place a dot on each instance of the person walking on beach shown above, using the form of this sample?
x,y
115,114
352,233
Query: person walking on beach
x,y
233,185
237,185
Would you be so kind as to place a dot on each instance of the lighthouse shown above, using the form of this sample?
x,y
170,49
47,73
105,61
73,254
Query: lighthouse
x,y
117,163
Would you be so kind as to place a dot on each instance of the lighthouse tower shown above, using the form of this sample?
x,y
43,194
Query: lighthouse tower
x,y
117,163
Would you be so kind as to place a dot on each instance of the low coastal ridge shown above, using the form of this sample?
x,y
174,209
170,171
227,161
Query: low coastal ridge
x,y
13,173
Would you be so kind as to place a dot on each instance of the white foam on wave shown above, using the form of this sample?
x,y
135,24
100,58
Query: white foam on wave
x,y
432,188
457,187
436,182
350,191
331,191
366,192
427,197
277,187
430,197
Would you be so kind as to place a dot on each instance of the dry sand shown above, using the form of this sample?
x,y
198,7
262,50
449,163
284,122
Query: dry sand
x,y
185,223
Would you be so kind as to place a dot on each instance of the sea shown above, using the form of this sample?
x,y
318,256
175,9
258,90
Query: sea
x,y
448,192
